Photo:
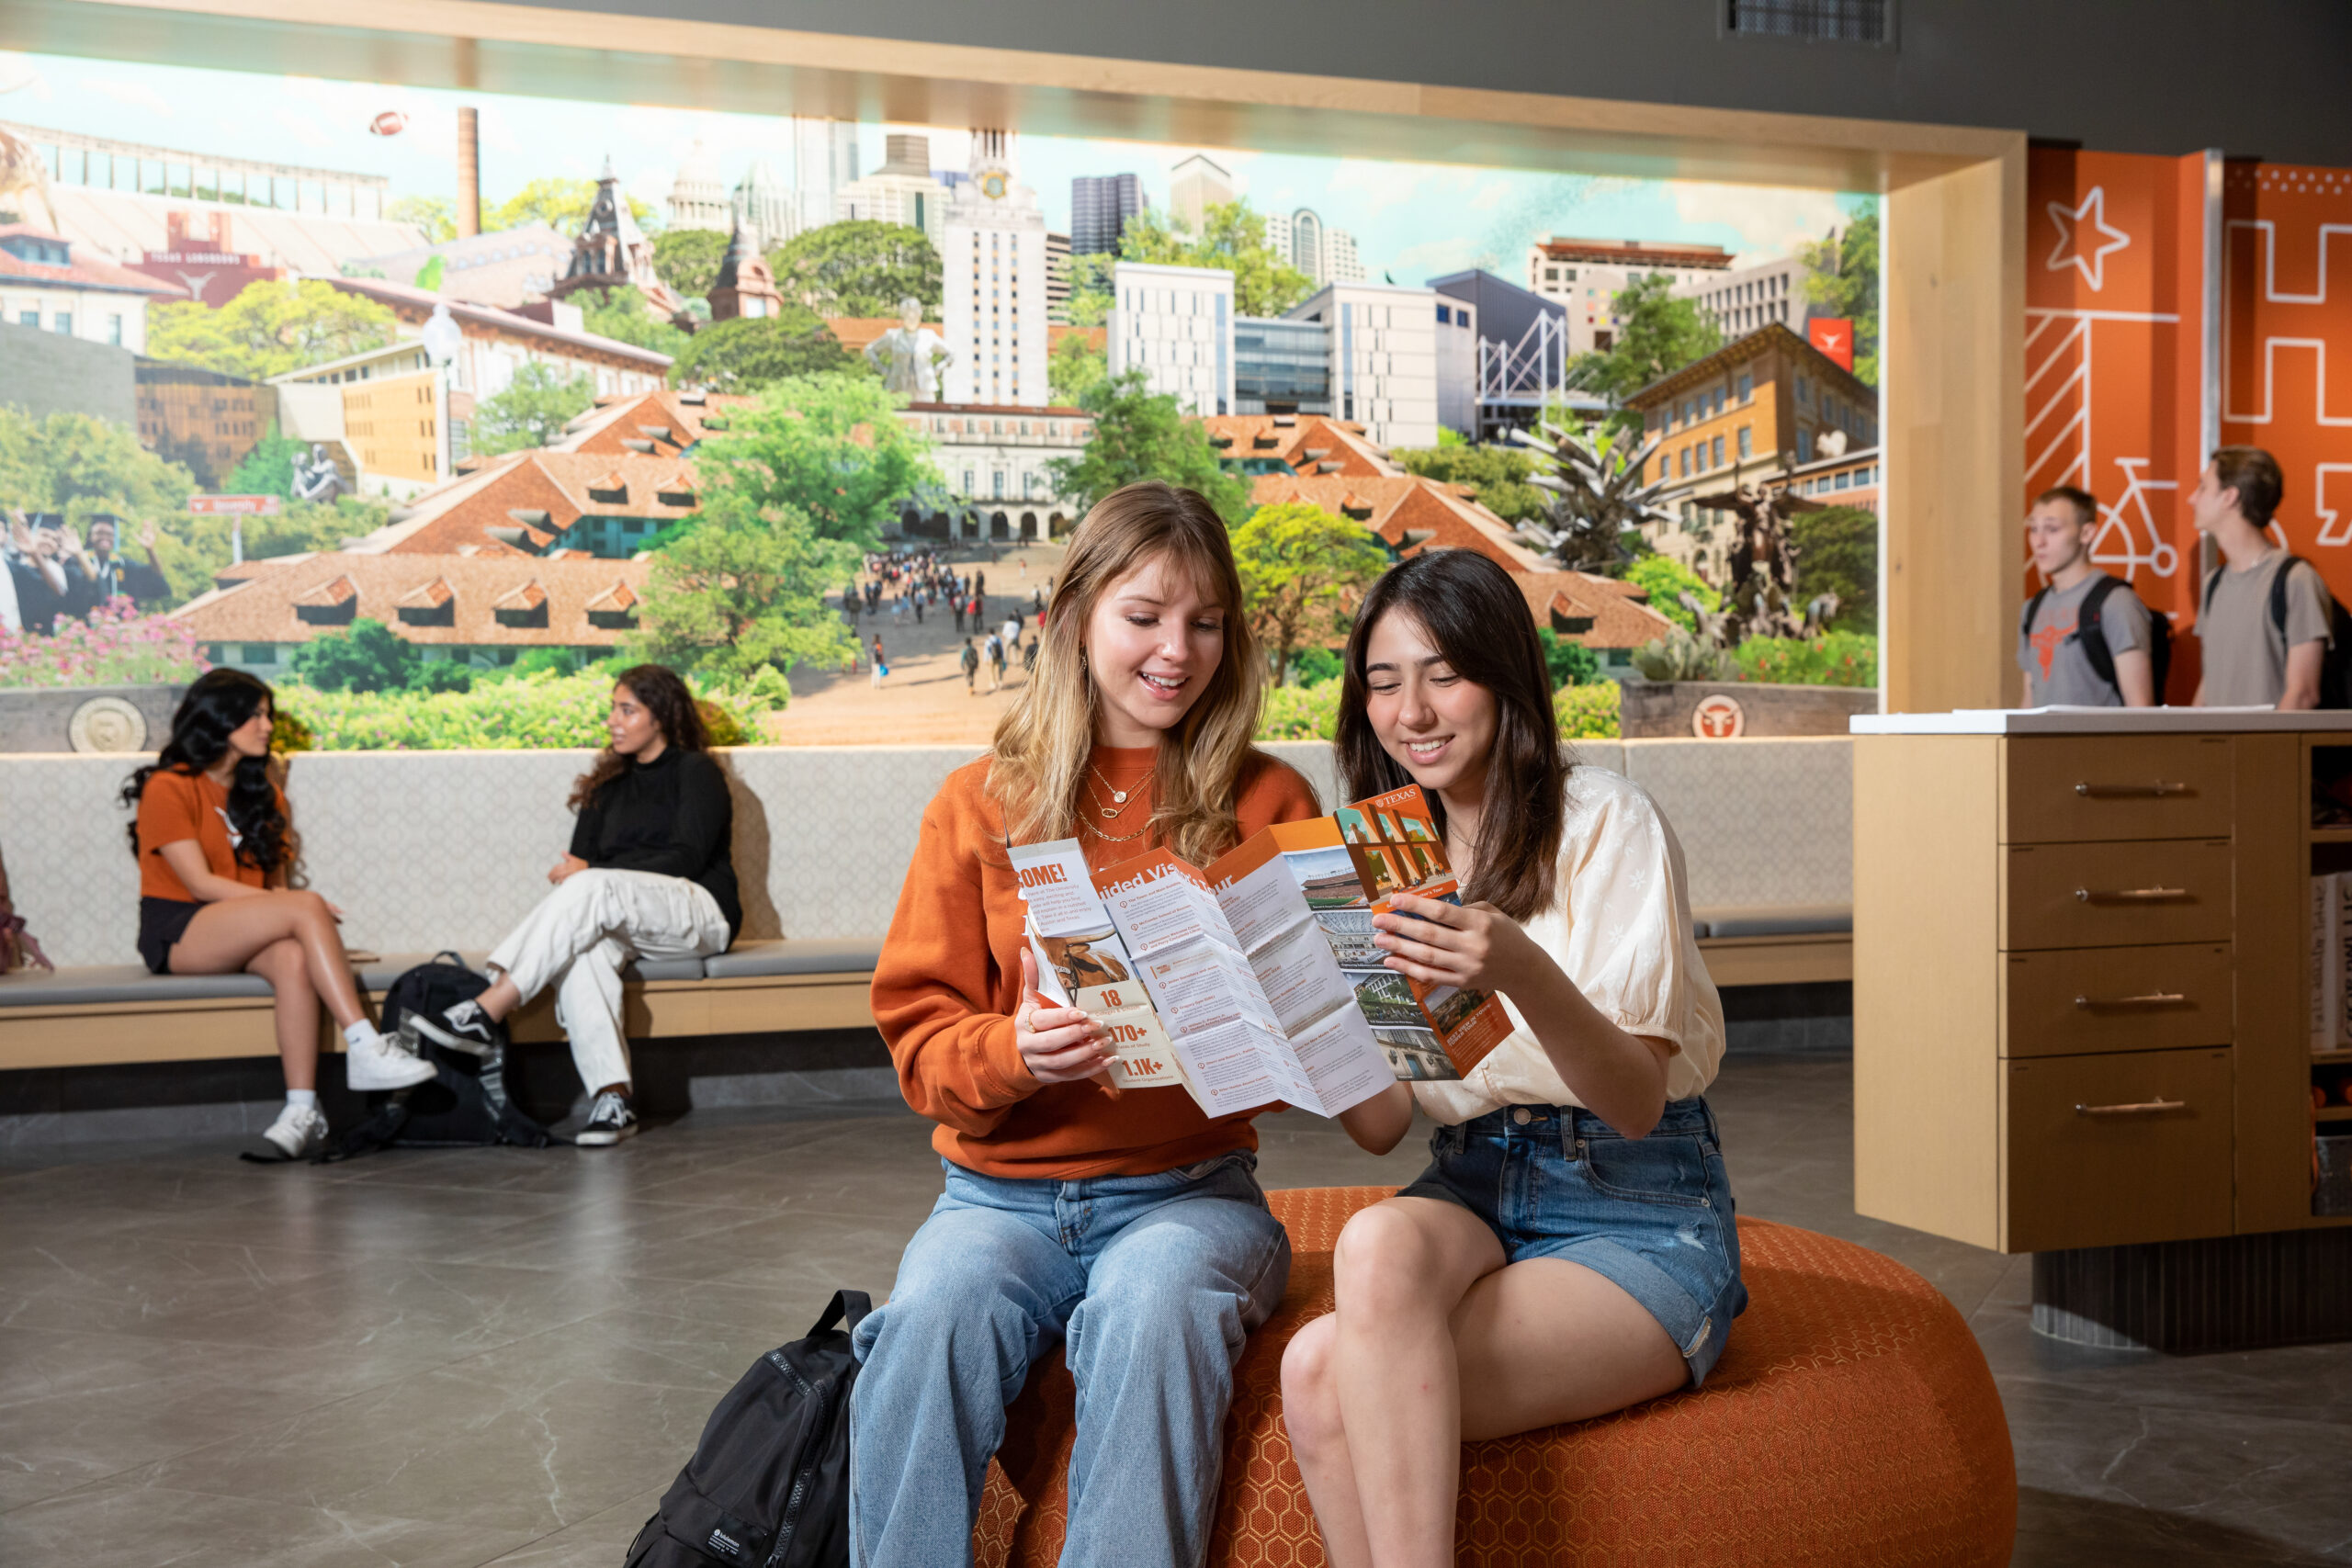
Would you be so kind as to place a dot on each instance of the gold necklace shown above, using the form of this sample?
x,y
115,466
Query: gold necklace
x,y
1118,795
1114,837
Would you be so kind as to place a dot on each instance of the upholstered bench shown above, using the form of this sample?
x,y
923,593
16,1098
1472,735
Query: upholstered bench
x,y
1851,1421
113,1013
1776,944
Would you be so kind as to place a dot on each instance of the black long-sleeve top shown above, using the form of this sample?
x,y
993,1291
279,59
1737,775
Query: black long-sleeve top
x,y
671,815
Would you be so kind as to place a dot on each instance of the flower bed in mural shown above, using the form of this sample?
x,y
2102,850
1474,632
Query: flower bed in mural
x,y
116,646
1834,659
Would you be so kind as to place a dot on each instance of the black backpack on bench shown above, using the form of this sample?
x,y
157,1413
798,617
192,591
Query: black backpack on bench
x,y
768,1487
465,1104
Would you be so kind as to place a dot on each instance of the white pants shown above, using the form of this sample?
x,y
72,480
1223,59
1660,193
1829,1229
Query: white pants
x,y
581,936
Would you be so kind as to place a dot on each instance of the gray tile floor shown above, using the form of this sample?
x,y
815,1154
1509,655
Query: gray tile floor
x,y
477,1357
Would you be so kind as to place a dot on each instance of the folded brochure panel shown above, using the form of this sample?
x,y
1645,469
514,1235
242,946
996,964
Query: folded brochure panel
x,y
1255,979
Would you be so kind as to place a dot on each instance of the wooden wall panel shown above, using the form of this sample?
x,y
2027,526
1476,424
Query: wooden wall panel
x,y
1954,346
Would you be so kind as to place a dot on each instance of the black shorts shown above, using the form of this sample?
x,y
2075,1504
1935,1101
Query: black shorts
x,y
162,921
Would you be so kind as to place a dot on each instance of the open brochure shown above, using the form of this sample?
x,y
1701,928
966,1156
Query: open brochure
x,y
1255,979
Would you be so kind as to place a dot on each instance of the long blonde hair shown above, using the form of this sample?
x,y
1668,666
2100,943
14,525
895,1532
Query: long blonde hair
x,y
1043,744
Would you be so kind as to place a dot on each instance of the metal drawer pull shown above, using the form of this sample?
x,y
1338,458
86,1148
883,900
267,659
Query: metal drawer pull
x,y
2130,894
2152,999
2144,1107
2129,792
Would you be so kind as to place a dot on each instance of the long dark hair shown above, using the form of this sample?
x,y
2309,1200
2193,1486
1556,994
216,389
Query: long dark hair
x,y
219,702
1478,621
667,698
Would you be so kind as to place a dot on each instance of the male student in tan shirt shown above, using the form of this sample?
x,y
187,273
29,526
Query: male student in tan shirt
x,y
2250,660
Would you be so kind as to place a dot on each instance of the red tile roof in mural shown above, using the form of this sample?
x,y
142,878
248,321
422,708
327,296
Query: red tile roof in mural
x,y
1312,443
261,606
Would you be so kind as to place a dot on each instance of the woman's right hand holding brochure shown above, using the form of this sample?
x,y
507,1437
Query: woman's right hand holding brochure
x,y
1056,1045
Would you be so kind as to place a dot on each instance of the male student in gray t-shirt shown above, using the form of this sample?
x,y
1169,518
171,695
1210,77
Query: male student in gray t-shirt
x,y
2058,668
2250,660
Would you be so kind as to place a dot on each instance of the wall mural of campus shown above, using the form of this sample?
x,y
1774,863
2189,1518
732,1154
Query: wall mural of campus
x,y
428,407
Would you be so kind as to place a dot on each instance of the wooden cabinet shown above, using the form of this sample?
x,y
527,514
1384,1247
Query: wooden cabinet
x,y
2128,1147
2115,998
2080,1002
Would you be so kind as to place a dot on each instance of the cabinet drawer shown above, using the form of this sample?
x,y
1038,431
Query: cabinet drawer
x,y
2133,894
2062,789
2102,1151
2072,1001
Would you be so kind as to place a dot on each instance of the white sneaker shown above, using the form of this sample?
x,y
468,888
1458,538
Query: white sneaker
x,y
380,1064
298,1132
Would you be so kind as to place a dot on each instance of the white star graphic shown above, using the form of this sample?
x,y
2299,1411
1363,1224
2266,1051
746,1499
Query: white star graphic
x,y
2068,219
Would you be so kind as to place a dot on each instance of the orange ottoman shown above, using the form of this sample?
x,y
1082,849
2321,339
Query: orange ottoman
x,y
1851,1420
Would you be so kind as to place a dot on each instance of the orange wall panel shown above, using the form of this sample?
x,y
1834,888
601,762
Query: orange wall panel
x,y
2286,371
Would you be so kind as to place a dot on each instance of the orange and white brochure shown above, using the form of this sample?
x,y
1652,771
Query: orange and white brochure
x,y
1256,980
1081,962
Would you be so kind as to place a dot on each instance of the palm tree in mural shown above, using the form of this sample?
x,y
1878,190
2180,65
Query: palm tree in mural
x,y
1593,494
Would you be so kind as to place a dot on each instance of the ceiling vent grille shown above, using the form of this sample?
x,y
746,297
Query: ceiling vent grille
x,y
1826,21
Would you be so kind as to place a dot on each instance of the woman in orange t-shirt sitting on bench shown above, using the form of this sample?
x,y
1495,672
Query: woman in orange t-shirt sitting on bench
x,y
212,842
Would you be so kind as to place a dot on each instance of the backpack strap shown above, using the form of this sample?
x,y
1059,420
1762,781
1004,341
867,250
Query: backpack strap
x,y
2090,632
848,1309
2205,599
2279,592
2032,608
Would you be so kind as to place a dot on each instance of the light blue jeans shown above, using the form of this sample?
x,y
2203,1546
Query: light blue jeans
x,y
1153,1282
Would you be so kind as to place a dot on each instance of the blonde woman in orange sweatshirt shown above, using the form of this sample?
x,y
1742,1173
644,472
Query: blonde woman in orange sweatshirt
x,y
1129,1225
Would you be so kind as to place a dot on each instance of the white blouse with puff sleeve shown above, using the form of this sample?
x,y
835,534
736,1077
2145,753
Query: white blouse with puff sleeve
x,y
1620,928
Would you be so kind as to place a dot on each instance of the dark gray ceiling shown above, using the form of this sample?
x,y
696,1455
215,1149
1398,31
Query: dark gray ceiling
x,y
2270,78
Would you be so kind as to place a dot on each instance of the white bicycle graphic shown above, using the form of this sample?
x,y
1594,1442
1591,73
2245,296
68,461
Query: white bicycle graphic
x,y
2162,560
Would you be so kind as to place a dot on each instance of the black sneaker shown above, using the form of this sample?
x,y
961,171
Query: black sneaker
x,y
610,1120
462,1027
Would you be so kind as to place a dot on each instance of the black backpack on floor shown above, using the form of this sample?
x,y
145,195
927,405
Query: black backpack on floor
x,y
465,1105
768,1487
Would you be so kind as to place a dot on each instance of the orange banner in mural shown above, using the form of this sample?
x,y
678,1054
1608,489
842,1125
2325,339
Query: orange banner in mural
x,y
2286,369
2114,349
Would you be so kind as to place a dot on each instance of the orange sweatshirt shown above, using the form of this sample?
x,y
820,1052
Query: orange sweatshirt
x,y
950,978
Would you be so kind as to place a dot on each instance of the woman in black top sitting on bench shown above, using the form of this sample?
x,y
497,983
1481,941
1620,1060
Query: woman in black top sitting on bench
x,y
648,875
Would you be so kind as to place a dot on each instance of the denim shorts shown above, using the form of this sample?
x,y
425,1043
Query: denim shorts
x,y
1652,1216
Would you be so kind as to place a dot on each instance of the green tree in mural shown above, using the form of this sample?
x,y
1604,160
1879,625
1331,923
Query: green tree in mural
x,y
370,657
269,469
1837,553
745,355
532,411
1499,475
1073,367
435,215
1142,435
1656,335
1844,282
858,268
1666,579
1301,568
1089,289
1231,237
687,259
828,448
624,314
268,329
744,591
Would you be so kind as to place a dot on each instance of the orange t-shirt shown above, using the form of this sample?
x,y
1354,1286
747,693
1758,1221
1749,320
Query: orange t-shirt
x,y
950,978
176,805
